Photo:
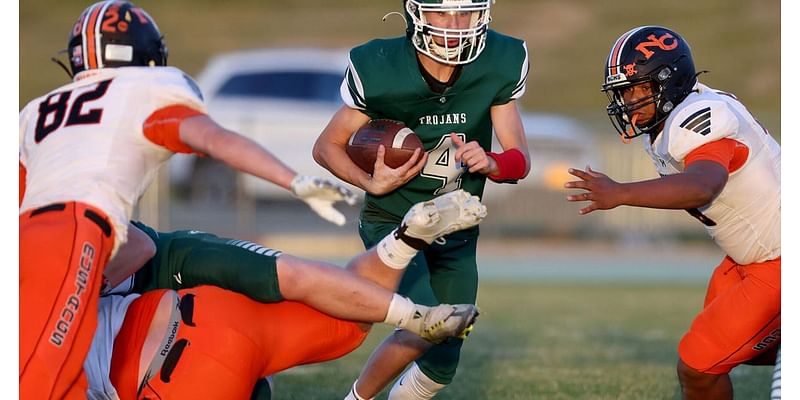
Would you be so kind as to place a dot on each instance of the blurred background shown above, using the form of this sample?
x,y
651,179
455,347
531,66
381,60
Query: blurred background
x,y
271,69
737,41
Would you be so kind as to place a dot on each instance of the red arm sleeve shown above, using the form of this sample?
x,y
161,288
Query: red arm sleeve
x,y
163,127
730,153
510,165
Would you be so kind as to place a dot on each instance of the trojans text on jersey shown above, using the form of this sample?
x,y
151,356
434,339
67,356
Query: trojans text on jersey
x,y
443,119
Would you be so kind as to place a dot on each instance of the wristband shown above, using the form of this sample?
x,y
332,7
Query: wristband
x,y
510,166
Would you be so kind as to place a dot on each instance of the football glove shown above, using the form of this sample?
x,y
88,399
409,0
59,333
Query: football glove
x,y
320,194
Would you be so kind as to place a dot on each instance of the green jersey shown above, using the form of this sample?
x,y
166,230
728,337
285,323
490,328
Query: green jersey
x,y
384,80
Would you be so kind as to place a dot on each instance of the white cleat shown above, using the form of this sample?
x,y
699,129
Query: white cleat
x,y
443,215
446,321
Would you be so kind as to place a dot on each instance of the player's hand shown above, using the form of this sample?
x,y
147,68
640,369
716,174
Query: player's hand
x,y
473,156
320,194
386,179
603,192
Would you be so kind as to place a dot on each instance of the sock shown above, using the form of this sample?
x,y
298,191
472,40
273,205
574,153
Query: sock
x,y
353,395
414,385
263,389
402,312
775,392
394,252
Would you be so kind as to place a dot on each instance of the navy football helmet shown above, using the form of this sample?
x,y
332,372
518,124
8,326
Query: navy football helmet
x,y
647,54
113,34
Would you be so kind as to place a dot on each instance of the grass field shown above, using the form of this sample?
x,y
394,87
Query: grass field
x,y
539,339
555,341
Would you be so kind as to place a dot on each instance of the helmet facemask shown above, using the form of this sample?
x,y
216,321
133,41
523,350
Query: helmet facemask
x,y
470,41
621,114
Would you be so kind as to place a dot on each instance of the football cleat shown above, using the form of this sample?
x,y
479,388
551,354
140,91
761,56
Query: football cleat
x,y
440,216
446,321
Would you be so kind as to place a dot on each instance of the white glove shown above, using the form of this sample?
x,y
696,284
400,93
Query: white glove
x,y
320,194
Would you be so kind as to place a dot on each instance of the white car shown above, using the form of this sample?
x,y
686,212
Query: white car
x,y
283,98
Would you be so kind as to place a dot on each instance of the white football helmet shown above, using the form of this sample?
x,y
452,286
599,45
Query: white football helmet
x,y
470,40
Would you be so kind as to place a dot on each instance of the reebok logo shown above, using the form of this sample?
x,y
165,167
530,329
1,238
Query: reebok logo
x,y
170,339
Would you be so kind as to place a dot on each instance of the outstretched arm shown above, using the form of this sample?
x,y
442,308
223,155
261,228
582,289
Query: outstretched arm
x,y
695,187
203,134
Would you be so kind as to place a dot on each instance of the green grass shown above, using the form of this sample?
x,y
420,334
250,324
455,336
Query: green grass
x,y
537,341
737,40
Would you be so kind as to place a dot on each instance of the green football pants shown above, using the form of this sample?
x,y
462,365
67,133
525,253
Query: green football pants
x,y
443,273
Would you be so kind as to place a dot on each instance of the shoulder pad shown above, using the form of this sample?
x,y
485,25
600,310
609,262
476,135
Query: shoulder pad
x,y
193,85
702,121
176,87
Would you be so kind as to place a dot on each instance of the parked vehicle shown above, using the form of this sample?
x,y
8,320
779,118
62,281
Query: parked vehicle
x,y
283,98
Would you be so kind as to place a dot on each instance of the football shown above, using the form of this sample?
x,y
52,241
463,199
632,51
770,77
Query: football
x,y
398,140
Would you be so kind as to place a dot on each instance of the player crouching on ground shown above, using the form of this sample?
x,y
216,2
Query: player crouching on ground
x,y
717,162
206,342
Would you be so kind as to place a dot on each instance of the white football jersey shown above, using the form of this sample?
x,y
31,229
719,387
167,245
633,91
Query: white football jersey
x,y
97,364
745,219
85,141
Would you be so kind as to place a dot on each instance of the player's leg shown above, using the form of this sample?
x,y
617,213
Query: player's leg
x,y
63,250
189,260
699,385
335,292
266,275
775,390
723,278
400,348
454,277
740,322
332,290
263,389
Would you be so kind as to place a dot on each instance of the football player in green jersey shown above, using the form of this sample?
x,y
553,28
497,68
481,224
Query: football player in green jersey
x,y
452,81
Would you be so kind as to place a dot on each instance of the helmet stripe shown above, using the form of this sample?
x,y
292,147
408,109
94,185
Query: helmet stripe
x,y
98,35
84,42
616,52
90,42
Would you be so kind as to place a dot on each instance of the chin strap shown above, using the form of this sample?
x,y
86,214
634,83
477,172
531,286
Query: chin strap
x,y
60,63
630,133
395,13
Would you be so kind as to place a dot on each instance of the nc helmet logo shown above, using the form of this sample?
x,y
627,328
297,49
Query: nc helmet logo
x,y
665,42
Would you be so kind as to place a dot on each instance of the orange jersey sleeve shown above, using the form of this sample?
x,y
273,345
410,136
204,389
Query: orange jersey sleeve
x,y
730,153
163,127
23,173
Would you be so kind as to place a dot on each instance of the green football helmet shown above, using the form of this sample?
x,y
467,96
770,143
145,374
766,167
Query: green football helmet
x,y
448,45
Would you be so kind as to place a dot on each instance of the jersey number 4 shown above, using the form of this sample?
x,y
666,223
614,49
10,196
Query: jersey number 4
x,y
52,113
442,165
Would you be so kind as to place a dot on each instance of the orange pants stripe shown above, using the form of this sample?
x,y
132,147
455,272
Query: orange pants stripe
x,y
232,342
63,251
741,318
